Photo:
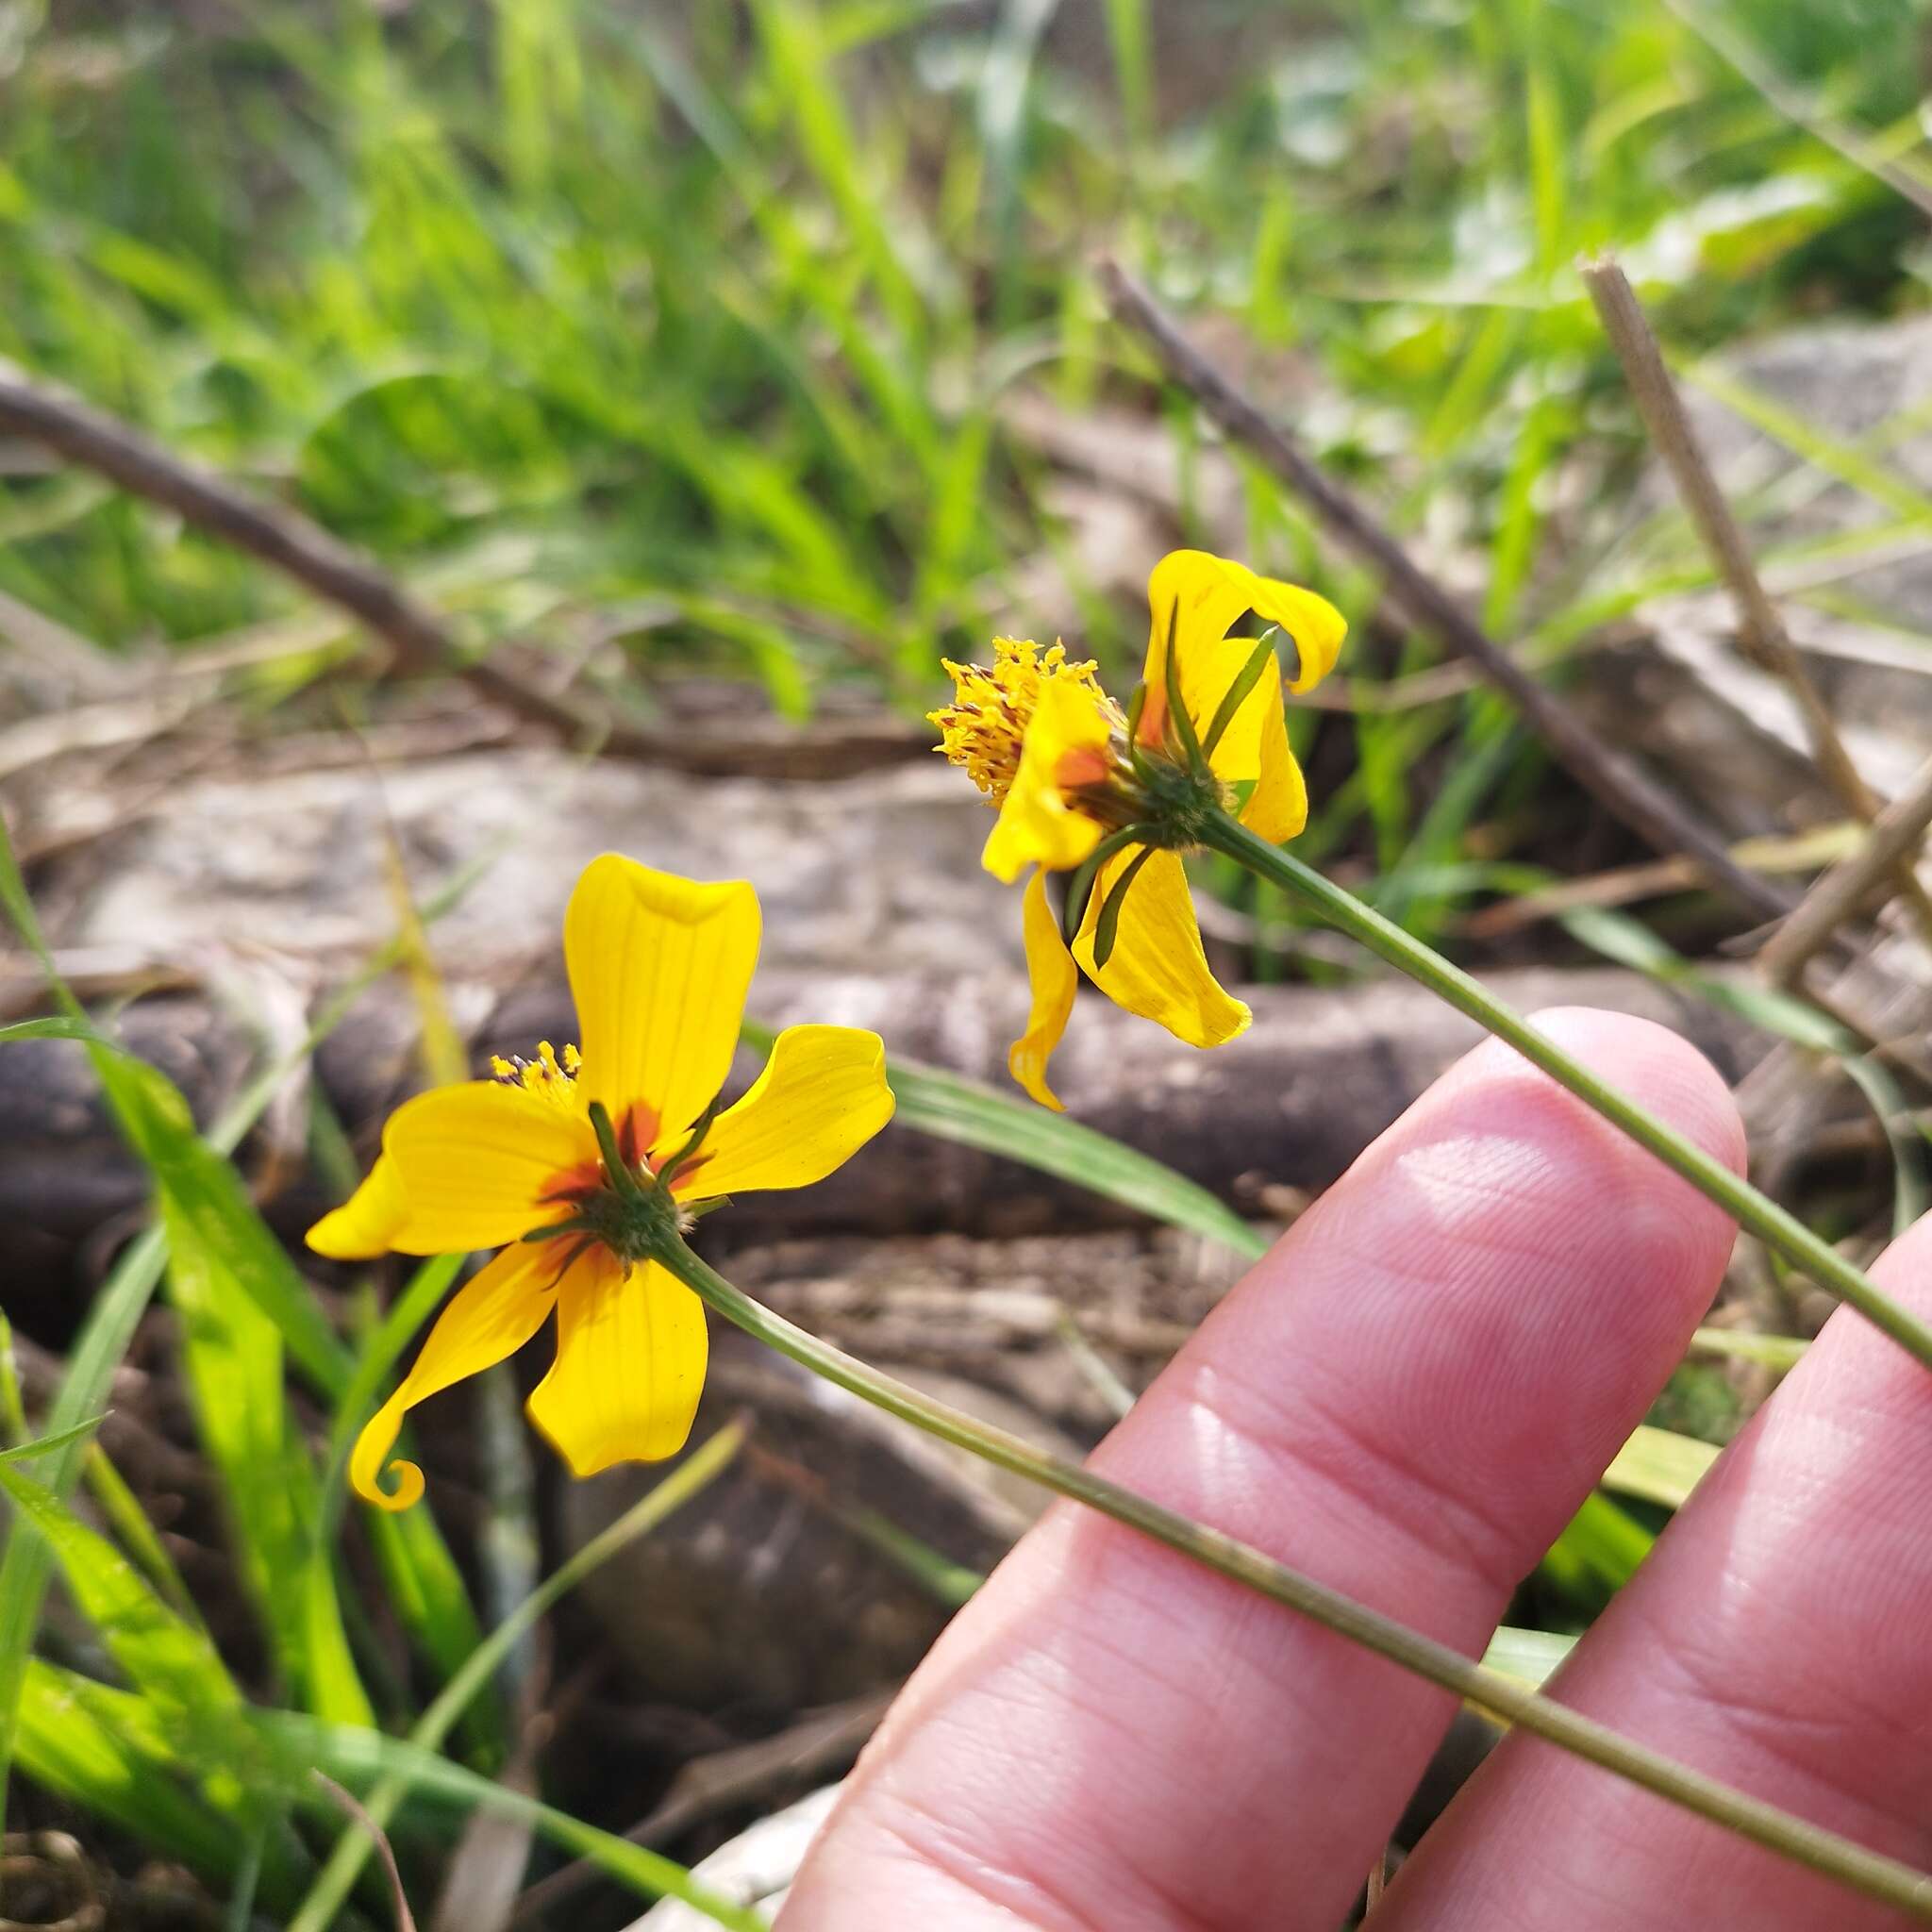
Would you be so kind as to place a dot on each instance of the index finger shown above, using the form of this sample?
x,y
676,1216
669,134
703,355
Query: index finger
x,y
1406,1398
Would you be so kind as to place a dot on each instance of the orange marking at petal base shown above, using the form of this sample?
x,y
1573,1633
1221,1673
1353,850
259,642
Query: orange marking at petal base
x,y
1084,764
637,1130
575,1184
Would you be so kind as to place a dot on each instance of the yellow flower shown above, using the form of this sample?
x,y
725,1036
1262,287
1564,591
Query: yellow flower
x,y
1080,790
594,1156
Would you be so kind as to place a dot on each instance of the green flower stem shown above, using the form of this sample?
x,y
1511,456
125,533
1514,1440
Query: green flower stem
x,y
1778,1230
1823,1851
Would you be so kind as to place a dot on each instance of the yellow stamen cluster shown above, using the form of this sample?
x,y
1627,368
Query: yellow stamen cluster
x,y
982,729
547,1076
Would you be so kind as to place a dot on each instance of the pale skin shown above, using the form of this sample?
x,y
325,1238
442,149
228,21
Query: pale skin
x,y
1407,1398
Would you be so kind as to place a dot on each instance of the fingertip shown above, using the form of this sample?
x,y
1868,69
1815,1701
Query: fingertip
x,y
1661,1070
1499,1153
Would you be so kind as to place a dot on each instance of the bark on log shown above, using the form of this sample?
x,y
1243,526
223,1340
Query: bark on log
x,y
1318,1075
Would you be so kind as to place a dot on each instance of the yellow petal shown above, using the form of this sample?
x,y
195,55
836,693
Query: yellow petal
x,y
660,969
1277,808
1157,968
1213,592
1066,744
491,1316
476,1163
822,1096
365,1224
630,1365
1051,974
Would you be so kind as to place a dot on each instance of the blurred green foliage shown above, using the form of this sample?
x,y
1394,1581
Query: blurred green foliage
x,y
707,310
688,328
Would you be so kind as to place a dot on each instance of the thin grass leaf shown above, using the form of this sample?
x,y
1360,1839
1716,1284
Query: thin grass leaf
x,y
12,1405
701,1467
1836,457
799,68
357,1758
1531,1656
1779,1352
204,1201
199,1184
128,1524
163,1655
1598,1552
56,1028
232,1356
952,1108
47,1445
177,1789
420,1575
96,1353
433,1606
1659,1466
1133,67
70,1748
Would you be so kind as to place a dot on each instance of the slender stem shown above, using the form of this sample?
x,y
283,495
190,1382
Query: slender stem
x,y
1778,1230
1807,1845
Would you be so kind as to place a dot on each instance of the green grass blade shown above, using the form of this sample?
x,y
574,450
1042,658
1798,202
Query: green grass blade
x,y
47,1445
331,1889
1529,1655
358,1758
128,1525
1659,1466
68,1745
952,1108
204,1800
204,1200
55,1028
232,1356
162,1654
422,1580
28,1561
1598,1550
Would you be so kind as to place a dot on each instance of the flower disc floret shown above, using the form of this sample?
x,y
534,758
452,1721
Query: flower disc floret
x,y
984,729
1117,798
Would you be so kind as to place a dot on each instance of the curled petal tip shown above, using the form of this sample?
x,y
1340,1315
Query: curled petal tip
x,y
406,1492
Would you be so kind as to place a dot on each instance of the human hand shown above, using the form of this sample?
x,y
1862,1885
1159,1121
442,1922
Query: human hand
x,y
1406,1399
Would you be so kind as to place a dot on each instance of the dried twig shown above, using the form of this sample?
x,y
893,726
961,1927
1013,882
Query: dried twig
x,y
416,636
352,1807
1620,786
1836,896
1653,878
278,535
1761,630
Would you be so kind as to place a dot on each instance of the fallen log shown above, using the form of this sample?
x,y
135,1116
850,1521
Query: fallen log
x,y
1319,1074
